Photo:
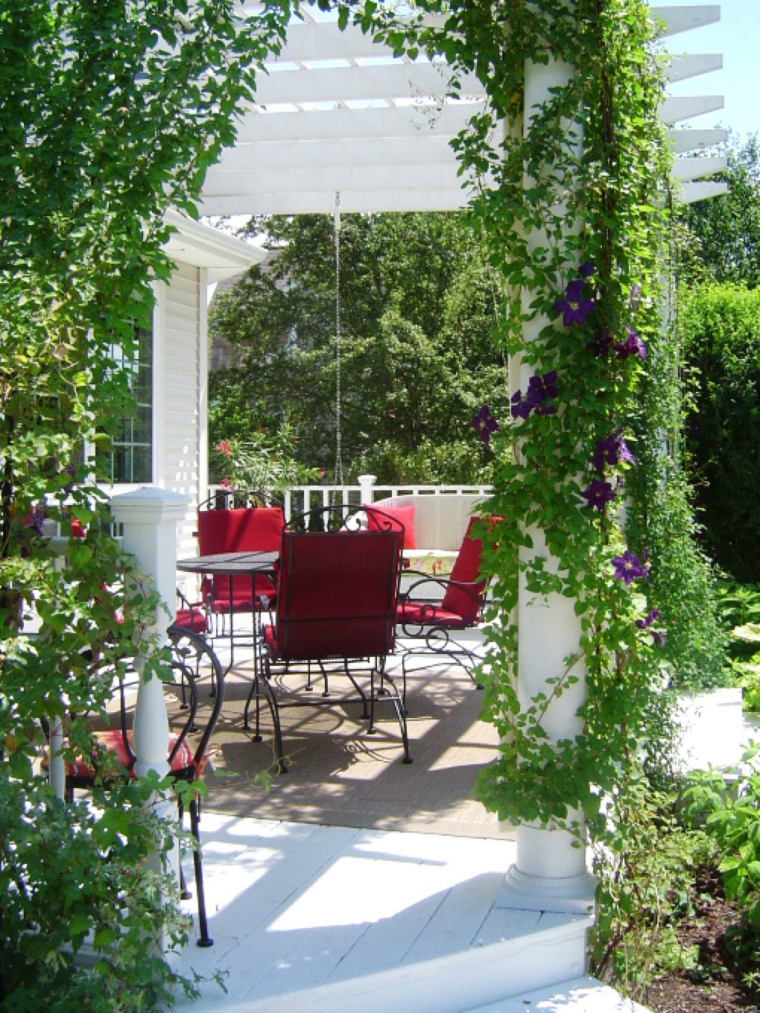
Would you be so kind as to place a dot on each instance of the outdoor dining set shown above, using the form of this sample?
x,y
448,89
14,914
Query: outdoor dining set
x,y
310,599
324,589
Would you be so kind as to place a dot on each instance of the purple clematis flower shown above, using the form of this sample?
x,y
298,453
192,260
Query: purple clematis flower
x,y
612,450
633,345
586,270
628,567
601,344
598,494
574,307
485,423
520,407
540,390
644,624
659,637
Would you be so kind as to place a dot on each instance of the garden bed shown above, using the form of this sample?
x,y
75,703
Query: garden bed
x,y
710,981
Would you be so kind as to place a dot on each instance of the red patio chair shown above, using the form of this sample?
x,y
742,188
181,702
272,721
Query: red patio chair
x,y
238,529
191,615
191,720
336,602
433,609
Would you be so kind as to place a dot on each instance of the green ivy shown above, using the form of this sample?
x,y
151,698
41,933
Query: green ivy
x,y
581,200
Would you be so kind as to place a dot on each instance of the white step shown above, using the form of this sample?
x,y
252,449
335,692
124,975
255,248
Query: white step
x,y
453,984
581,995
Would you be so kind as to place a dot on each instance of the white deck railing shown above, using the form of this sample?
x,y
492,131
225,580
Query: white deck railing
x,y
301,498
441,512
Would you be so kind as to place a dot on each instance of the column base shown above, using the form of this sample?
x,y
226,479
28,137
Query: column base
x,y
563,895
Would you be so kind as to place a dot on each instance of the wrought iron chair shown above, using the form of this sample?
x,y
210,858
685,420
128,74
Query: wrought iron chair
x,y
432,610
224,526
191,615
336,603
192,722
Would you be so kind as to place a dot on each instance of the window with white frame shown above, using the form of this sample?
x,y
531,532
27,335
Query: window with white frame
x,y
131,457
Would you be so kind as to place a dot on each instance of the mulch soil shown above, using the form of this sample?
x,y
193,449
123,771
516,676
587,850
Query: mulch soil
x,y
716,984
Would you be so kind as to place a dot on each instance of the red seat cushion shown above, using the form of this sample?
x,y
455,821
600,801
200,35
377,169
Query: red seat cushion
x,y
192,619
428,614
113,741
400,518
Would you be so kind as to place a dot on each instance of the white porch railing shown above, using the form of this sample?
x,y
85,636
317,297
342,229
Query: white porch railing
x,y
301,498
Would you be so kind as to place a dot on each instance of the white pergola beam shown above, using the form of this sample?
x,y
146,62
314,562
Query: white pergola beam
x,y
347,84
309,40
407,121
338,152
322,202
331,178
695,140
690,193
683,19
683,107
693,168
688,65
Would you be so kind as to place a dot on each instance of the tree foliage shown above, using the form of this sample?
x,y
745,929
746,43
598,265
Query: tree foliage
x,y
417,309
111,114
720,327
721,236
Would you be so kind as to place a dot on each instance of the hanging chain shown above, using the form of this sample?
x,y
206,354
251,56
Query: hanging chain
x,y
338,449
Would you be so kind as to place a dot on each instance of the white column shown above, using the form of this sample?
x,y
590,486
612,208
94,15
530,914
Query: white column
x,y
150,518
550,873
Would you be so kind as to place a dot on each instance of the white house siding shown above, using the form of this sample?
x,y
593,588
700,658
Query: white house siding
x,y
179,383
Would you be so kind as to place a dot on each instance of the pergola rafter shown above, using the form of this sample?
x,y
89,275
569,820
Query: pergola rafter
x,y
338,112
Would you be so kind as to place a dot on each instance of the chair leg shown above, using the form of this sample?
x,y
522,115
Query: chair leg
x,y
395,699
204,938
261,687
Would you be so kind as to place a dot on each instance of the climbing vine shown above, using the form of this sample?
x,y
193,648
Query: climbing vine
x,y
575,215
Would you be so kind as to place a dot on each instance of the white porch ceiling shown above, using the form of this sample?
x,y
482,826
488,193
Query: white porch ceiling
x,y
337,113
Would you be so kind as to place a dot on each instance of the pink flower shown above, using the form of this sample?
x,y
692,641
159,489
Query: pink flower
x,y
224,448
322,472
226,484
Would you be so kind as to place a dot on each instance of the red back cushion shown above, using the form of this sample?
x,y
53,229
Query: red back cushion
x,y
245,529
337,594
397,518
465,601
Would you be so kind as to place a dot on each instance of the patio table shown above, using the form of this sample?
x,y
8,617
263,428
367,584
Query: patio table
x,y
236,564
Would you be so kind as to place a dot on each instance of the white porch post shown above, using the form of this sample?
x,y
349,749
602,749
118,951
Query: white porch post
x,y
366,482
550,872
150,517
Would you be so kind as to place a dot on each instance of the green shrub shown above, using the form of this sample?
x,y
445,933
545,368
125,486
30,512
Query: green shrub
x,y
645,870
732,818
720,327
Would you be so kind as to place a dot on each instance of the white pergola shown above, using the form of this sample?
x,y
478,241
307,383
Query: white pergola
x,y
338,113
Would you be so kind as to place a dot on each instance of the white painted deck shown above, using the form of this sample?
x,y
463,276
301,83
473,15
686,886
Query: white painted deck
x,y
297,906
